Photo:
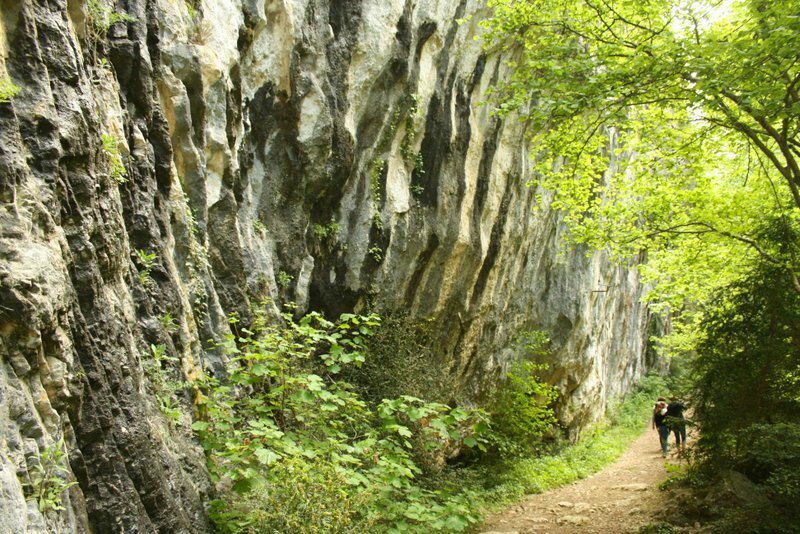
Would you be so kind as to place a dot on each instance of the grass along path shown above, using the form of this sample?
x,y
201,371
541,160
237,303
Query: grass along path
x,y
621,498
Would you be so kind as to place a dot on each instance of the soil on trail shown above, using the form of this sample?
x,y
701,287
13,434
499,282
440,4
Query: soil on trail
x,y
621,498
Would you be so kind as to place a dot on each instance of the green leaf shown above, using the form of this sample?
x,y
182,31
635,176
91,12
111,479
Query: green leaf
x,y
266,456
200,426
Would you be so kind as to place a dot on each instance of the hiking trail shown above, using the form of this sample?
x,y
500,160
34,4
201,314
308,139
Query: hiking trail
x,y
621,498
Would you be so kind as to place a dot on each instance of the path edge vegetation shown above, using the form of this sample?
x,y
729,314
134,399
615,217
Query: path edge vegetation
x,y
294,442
600,445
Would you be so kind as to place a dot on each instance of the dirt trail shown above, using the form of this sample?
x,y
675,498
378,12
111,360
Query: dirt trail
x,y
619,499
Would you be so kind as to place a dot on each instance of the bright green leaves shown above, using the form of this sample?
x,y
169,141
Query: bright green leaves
x,y
285,410
521,410
266,456
670,128
8,90
435,425
50,476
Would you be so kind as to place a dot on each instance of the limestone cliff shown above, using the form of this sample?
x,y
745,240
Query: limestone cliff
x,y
333,153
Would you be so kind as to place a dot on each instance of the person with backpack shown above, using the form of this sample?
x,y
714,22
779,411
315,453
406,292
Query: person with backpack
x,y
660,424
676,421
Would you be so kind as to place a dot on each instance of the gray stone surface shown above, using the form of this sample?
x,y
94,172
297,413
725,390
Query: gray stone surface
x,y
240,131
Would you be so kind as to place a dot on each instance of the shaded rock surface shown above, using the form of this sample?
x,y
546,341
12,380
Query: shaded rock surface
x,y
333,154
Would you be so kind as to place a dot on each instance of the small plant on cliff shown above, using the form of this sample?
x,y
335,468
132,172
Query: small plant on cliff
x,y
156,367
147,260
407,145
169,324
101,16
284,279
8,90
49,477
191,9
376,170
201,30
259,227
376,254
117,169
326,233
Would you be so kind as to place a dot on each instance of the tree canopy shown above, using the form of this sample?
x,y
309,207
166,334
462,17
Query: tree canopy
x,y
671,127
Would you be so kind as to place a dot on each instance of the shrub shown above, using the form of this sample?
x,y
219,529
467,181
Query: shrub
x,y
771,454
303,495
746,368
400,361
284,417
521,411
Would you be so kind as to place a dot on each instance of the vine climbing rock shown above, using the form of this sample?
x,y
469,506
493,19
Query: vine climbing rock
x,y
620,499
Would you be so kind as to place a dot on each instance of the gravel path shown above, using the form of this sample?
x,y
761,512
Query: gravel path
x,y
619,499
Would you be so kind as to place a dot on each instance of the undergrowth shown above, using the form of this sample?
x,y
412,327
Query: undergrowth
x,y
295,446
600,446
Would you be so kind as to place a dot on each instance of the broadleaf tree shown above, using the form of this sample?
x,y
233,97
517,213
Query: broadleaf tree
x,y
665,126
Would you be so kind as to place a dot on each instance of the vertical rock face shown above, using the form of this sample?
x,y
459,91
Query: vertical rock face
x,y
327,152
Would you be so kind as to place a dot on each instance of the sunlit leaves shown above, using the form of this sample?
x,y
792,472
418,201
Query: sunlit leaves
x,y
665,130
284,408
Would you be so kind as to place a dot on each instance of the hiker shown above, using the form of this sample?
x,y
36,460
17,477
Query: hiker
x,y
676,421
660,424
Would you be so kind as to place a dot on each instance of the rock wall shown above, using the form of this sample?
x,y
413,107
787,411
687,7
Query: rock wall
x,y
333,153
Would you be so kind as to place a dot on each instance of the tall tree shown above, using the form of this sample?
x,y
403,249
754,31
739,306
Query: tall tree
x,y
694,108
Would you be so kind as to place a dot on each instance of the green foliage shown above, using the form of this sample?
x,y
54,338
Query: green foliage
x,y
191,9
102,16
284,279
327,233
197,262
521,411
657,528
146,260
158,366
407,145
259,226
663,126
400,361
303,496
8,90
746,394
746,369
169,324
49,477
376,253
117,169
770,454
285,411
519,476
376,171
